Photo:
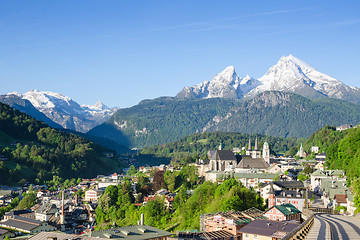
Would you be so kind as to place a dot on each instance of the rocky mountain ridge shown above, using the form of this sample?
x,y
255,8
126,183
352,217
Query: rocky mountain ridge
x,y
289,74
65,111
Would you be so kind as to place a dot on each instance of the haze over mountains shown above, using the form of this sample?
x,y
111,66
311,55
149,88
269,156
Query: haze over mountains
x,y
291,99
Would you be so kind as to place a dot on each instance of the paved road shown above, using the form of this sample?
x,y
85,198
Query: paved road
x,y
340,227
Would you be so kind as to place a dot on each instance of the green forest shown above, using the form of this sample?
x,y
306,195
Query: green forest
x,y
35,152
190,148
280,114
116,205
343,152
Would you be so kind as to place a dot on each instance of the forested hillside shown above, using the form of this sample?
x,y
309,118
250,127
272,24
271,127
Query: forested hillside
x,y
161,120
284,114
345,153
324,138
279,114
116,205
198,144
32,151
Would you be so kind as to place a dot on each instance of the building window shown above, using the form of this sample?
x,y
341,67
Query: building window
x,y
246,236
255,237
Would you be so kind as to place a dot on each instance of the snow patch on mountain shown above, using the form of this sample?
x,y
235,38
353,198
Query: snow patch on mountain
x,y
66,112
226,84
289,74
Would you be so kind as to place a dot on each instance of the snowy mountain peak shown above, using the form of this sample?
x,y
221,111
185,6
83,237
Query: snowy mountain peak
x,y
289,74
291,60
14,93
224,84
98,106
66,112
228,75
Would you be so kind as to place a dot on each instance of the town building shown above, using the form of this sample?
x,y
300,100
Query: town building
x,y
318,175
314,149
296,198
61,236
267,230
4,233
93,195
222,160
230,221
27,225
253,153
22,213
301,153
284,212
247,179
320,157
350,204
280,186
135,232
45,212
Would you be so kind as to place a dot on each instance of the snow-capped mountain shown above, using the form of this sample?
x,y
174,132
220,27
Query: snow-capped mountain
x,y
25,106
290,74
225,84
66,112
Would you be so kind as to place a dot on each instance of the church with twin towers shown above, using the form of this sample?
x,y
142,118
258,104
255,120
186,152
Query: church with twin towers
x,y
256,153
226,160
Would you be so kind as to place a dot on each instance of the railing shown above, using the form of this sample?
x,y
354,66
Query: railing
x,y
301,231
323,210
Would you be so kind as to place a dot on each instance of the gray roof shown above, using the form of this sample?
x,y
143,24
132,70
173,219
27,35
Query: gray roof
x,y
327,173
268,227
24,223
258,163
289,184
289,194
18,212
246,175
221,234
224,155
333,187
5,193
3,231
60,236
135,232
47,208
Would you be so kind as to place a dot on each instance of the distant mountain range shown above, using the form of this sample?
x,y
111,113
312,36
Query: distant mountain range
x,y
290,74
274,113
291,100
61,109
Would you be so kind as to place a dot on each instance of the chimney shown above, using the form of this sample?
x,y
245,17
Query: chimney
x,y
142,219
76,200
62,209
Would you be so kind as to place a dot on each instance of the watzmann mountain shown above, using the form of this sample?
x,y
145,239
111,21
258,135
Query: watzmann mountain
x,y
291,100
289,74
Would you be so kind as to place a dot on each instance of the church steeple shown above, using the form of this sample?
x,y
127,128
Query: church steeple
x,y
271,199
256,144
249,147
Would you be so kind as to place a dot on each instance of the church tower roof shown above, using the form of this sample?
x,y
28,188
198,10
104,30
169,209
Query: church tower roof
x,y
256,144
249,147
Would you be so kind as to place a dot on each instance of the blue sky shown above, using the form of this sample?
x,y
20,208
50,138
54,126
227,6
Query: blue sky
x,y
122,52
